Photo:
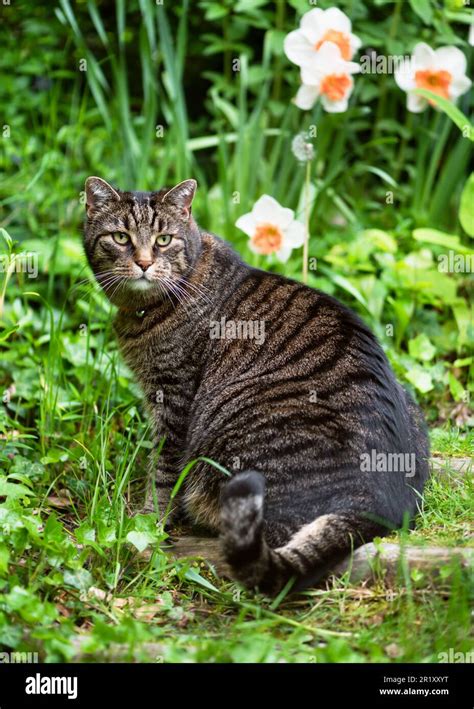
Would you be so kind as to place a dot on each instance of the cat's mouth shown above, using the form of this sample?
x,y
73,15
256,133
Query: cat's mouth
x,y
144,285
141,283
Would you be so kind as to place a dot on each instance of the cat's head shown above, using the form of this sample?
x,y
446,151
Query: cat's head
x,y
140,245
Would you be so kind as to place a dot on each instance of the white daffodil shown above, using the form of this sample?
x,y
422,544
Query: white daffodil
x,y
316,27
442,71
327,76
272,228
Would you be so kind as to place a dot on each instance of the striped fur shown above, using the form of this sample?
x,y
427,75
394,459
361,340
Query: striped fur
x,y
290,416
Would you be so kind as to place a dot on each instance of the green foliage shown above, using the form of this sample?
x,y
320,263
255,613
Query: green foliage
x,y
62,580
208,93
466,209
146,95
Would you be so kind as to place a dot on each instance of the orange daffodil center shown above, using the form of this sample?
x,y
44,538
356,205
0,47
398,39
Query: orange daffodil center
x,y
272,229
341,39
441,71
328,78
267,238
335,86
436,81
323,47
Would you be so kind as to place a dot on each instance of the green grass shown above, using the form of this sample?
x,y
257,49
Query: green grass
x,y
451,441
102,592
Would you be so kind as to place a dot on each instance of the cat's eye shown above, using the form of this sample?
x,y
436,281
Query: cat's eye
x,y
163,239
121,238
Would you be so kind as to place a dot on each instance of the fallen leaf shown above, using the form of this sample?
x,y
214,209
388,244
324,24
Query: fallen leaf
x,y
94,592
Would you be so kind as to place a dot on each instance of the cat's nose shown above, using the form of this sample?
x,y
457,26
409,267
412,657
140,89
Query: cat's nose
x,y
143,263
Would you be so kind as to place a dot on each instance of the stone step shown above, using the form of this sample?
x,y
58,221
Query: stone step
x,y
459,466
367,563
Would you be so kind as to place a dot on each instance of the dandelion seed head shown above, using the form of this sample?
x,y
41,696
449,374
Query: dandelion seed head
x,y
301,148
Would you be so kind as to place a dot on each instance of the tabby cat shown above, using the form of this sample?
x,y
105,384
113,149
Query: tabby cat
x,y
309,419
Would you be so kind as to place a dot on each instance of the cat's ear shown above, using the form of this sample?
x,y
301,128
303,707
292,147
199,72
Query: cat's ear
x,y
182,195
98,192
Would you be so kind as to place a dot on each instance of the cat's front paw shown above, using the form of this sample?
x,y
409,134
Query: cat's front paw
x,y
169,527
173,519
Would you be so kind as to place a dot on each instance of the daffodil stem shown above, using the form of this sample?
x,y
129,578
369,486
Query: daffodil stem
x,y
440,142
306,221
383,90
403,145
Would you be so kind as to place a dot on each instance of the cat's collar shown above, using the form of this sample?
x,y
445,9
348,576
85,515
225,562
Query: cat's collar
x,y
136,312
140,313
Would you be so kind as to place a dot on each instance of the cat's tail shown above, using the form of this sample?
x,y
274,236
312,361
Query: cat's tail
x,y
308,555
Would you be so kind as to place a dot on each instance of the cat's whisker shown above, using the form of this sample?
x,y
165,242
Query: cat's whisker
x,y
95,280
197,291
192,298
180,296
167,294
172,286
161,290
109,285
176,287
121,282
84,282
88,288
196,286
